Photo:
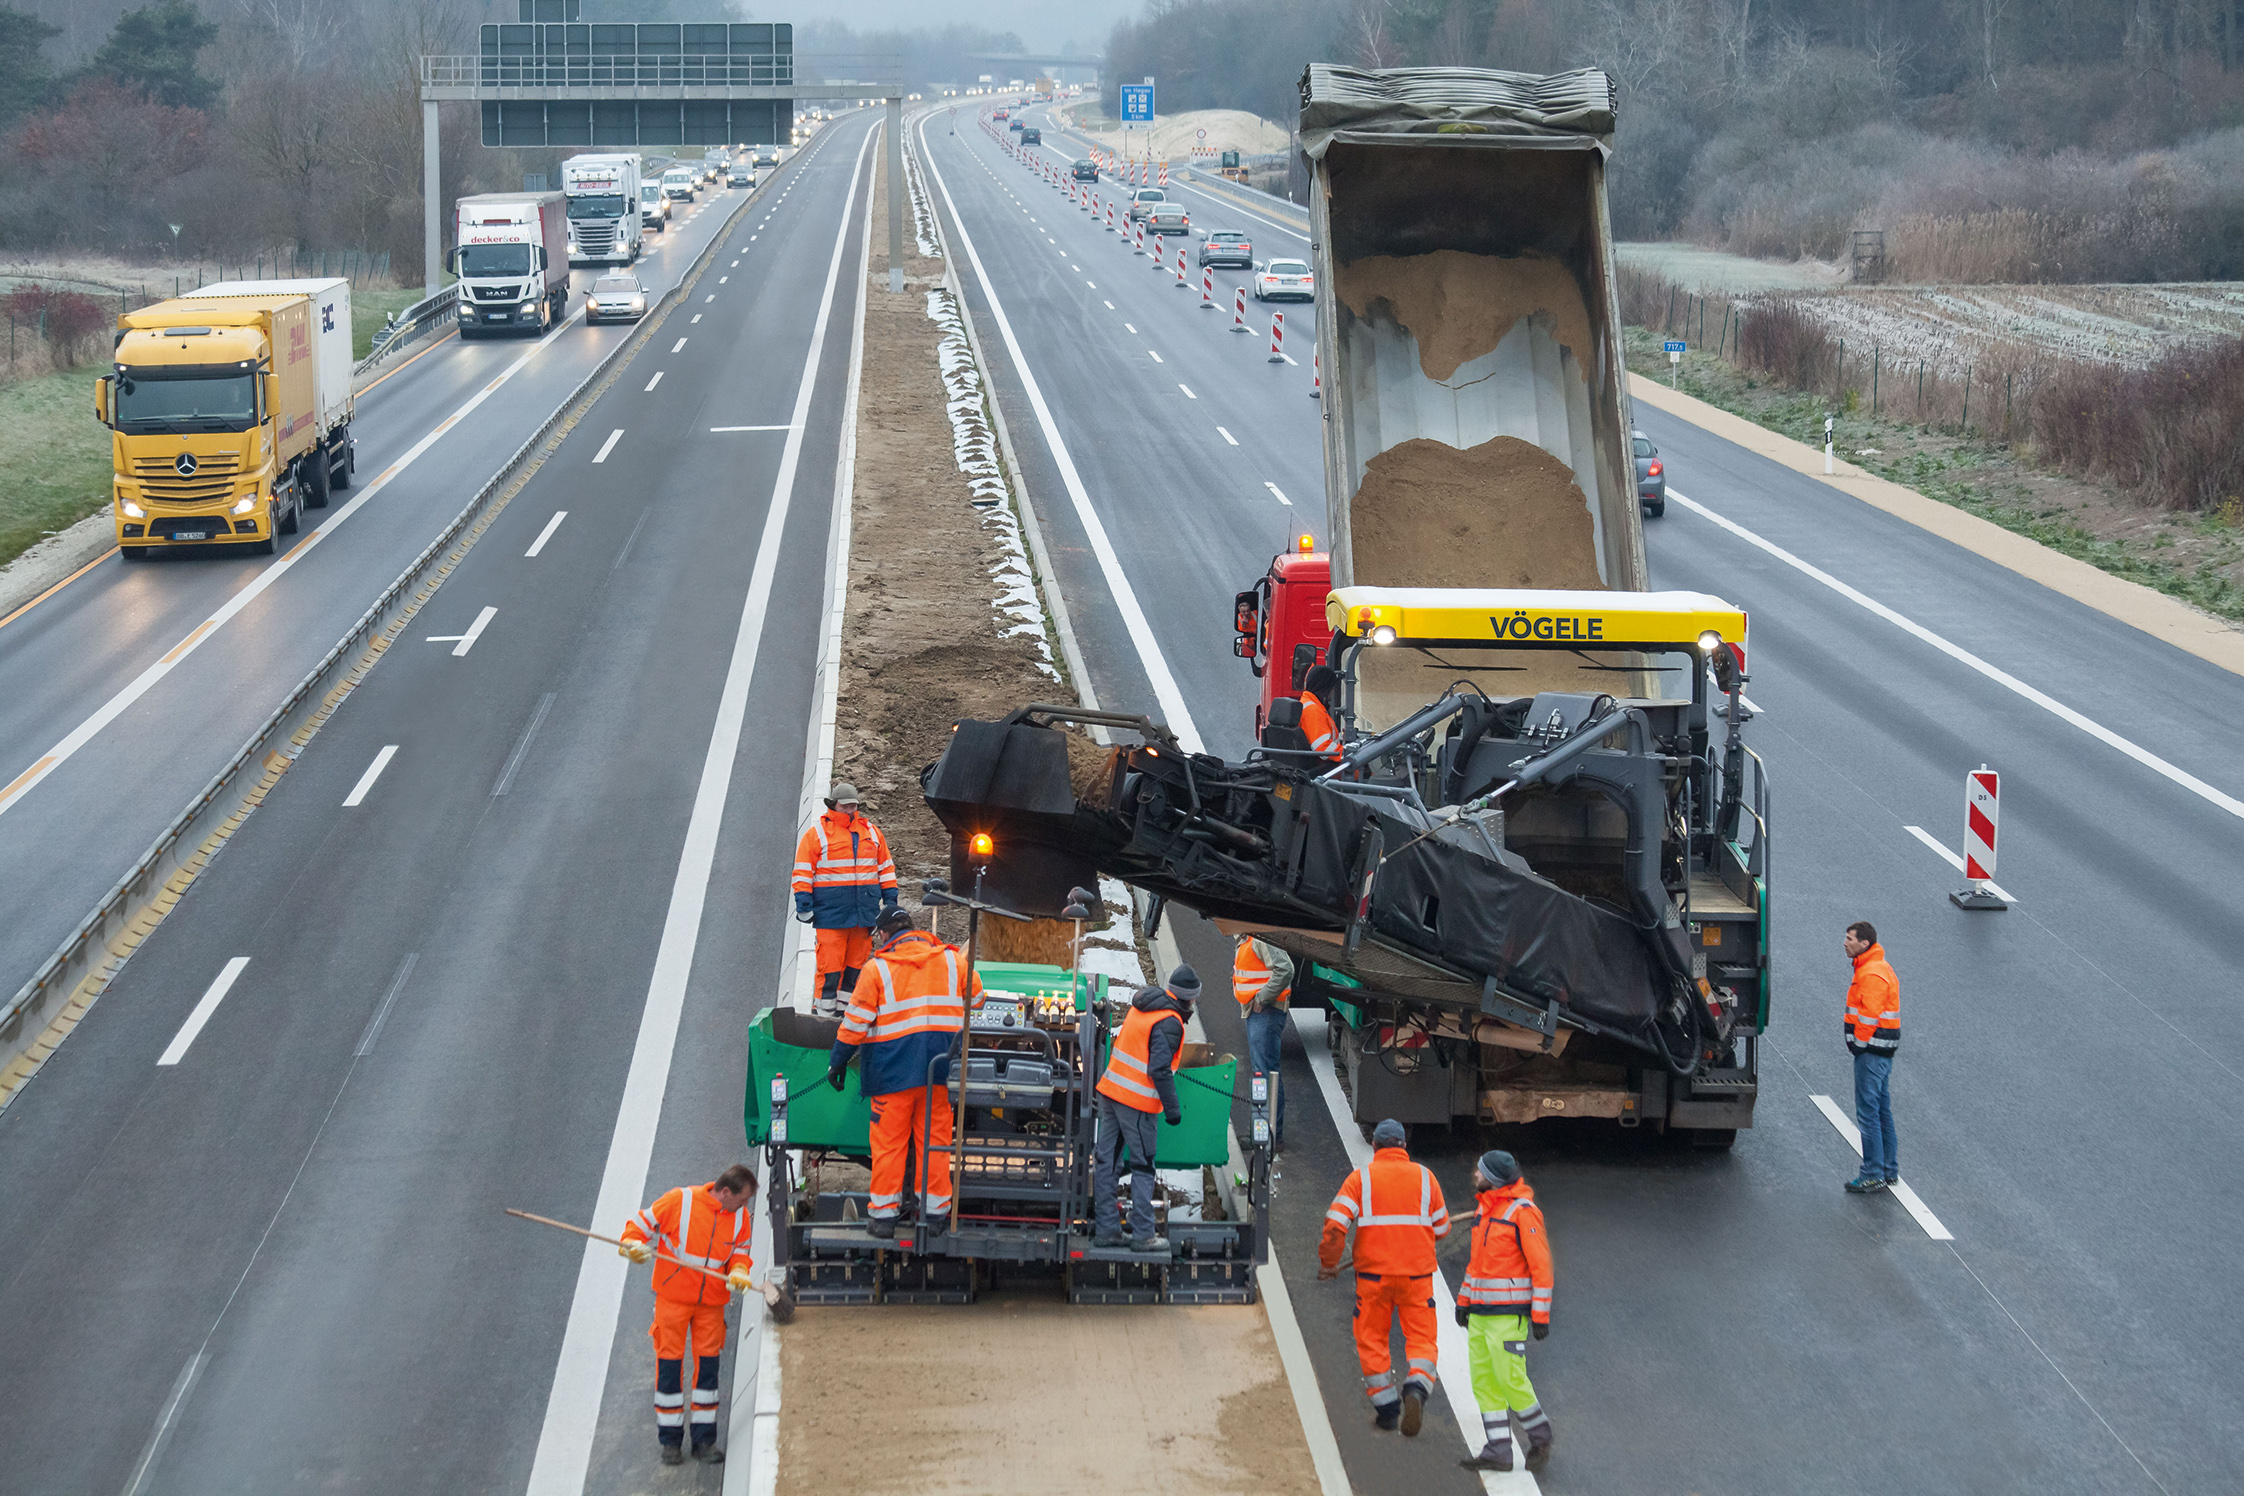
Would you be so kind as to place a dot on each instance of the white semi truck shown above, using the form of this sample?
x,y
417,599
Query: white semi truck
x,y
511,255
604,219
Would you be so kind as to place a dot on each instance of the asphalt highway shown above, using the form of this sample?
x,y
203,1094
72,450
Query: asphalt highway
x,y
496,942
67,833
1734,1321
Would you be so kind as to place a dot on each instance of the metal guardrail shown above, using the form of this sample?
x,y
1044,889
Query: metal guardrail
x,y
409,327
108,935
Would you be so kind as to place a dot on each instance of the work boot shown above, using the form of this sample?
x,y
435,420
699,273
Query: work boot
x,y
1110,1239
673,1454
1413,1412
883,1227
1865,1184
706,1451
1539,1442
938,1225
1387,1416
1492,1456
1150,1244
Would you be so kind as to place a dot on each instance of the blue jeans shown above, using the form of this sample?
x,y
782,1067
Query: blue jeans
x,y
1873,1113
1123,1128
1266,1045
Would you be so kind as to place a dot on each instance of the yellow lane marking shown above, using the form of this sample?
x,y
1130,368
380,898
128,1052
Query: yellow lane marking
x,y
57,587
26,777
190,641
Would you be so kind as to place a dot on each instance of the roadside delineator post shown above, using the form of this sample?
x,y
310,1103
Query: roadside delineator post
x,y
1164,173
1982,797
1316,376
1239,311
1277,338
1184,283
1141,238
1207,288
1110,216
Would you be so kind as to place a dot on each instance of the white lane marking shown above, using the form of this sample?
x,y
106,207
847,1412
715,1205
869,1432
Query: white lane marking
x,y
1157,358
1281,498
1109,304
1453,1356
154,1448
1227,436
357,796
580,1375
751,428
389,999
212,997
613,437
2050,704
722,279
1289,358
546,534
462,643
1900,1189
85,732
1077,268
712,296
1129,328
522,747
1188,392
654,381
1225,203
1165,689
735,265
1955,860
674,347
696,318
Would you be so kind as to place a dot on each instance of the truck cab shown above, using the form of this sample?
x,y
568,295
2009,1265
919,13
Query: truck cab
x,y
1281,623
604,219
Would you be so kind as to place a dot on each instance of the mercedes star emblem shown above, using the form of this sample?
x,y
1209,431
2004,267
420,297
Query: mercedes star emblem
x,y
186,464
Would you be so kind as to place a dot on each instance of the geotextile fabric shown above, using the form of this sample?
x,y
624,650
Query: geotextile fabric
x,y
1523,108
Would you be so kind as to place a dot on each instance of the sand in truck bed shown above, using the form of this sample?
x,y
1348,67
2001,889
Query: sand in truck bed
x,y
1022,1395
1503,514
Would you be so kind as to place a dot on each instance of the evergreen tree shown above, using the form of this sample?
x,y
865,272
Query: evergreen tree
x,y
24,75
154,49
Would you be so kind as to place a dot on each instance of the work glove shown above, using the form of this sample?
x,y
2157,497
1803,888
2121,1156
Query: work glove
x,y
803,915
637,1251
1172,1117
1542,1331
1326,1274
836,1074
1464,1317
738,1280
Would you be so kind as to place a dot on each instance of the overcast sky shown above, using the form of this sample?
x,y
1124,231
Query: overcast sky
x,y
1044,28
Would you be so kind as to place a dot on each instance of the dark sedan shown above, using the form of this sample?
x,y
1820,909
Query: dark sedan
x,y
1651,475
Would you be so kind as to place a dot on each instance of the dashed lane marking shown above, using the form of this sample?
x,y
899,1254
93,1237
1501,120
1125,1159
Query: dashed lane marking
x,y
357,796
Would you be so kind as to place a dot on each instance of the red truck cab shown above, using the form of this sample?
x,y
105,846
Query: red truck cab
x,y
1282,619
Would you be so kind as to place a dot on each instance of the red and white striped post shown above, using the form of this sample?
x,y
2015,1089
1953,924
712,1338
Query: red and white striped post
x,y
1316,376
1164,173
1982,814
1183,282
1141,238
1239,311
1207,288
1110,217
1277,338
1159,255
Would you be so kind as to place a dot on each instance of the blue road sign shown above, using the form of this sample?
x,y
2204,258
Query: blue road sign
x,y
1677,345
1137,103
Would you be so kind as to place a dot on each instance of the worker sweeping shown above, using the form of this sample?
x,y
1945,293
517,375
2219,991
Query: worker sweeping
x,y
1506,1296
901,1018
1139,1084
1320,686
1396,1210
705,1227
844,878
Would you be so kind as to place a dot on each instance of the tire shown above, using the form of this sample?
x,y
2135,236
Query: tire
x,y
349,469
269,544
294,521
132,552
1654,511
317,480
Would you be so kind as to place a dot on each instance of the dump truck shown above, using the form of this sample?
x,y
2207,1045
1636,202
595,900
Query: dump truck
x,y
1535,883
230,414
511,254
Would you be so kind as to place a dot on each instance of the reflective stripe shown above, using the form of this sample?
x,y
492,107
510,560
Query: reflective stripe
x,y
1426,1216
670,1399
1338,1216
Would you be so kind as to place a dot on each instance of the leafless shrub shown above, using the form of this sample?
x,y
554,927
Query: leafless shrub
x,y
2168,434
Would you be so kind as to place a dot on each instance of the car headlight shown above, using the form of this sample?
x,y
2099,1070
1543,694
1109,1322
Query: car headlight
x,y
246,503
132,510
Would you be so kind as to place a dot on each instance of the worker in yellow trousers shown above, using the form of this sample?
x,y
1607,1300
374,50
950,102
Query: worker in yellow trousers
x,y
1505,1298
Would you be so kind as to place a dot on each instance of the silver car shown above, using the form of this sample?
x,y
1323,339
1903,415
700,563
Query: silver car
x,y
1143,199
616,298
1167,218
1651,475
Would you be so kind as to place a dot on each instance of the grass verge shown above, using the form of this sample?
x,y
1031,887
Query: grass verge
x,y
54,458
2196,558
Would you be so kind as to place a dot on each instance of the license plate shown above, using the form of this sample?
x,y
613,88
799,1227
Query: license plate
x,y
190,534
496,316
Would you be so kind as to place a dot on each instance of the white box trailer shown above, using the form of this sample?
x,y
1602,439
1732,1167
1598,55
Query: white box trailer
x,y
329,344
511,253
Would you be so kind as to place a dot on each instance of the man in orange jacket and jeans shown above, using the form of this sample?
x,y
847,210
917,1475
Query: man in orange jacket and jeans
x,y
1396,1210
703,1227
1873,1029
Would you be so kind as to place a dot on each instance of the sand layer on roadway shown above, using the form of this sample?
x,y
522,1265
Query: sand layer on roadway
x,y
1022,1395
1459,306
1503,514
920,643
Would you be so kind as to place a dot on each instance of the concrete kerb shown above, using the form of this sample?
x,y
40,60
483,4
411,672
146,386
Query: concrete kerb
x,y
79,971
2164,618
1293,1350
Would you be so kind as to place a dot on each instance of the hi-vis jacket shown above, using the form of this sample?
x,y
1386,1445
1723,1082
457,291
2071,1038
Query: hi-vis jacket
x,y
688,1224
1317,726
1252,970
844,876
1511,1268
1873,1021
1397,1210
1141,1062
907,1005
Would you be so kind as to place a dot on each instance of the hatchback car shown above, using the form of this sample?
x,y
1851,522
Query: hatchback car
x,y
1032,136
616,298
1227,247
1284,280
1086,171
1144,198
1651,476
1014,125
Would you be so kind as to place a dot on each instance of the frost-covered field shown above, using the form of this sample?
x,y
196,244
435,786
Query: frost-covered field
x,y
1954,326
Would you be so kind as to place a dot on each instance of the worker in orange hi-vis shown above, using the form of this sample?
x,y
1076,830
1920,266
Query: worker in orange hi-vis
x,y
844,878
705,1227
1319,688
1396,1210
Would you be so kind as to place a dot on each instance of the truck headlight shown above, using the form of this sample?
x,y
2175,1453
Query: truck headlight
x,y
132,510
246,503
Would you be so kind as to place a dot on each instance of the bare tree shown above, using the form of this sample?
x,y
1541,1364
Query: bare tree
x,y
307,30
1368,34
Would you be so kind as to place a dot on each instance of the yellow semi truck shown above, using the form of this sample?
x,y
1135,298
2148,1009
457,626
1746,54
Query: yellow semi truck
x,y
230,414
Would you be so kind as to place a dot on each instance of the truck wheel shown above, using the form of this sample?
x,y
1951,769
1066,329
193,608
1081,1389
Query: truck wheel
x,y
349,467
268,545
317,479
294,520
